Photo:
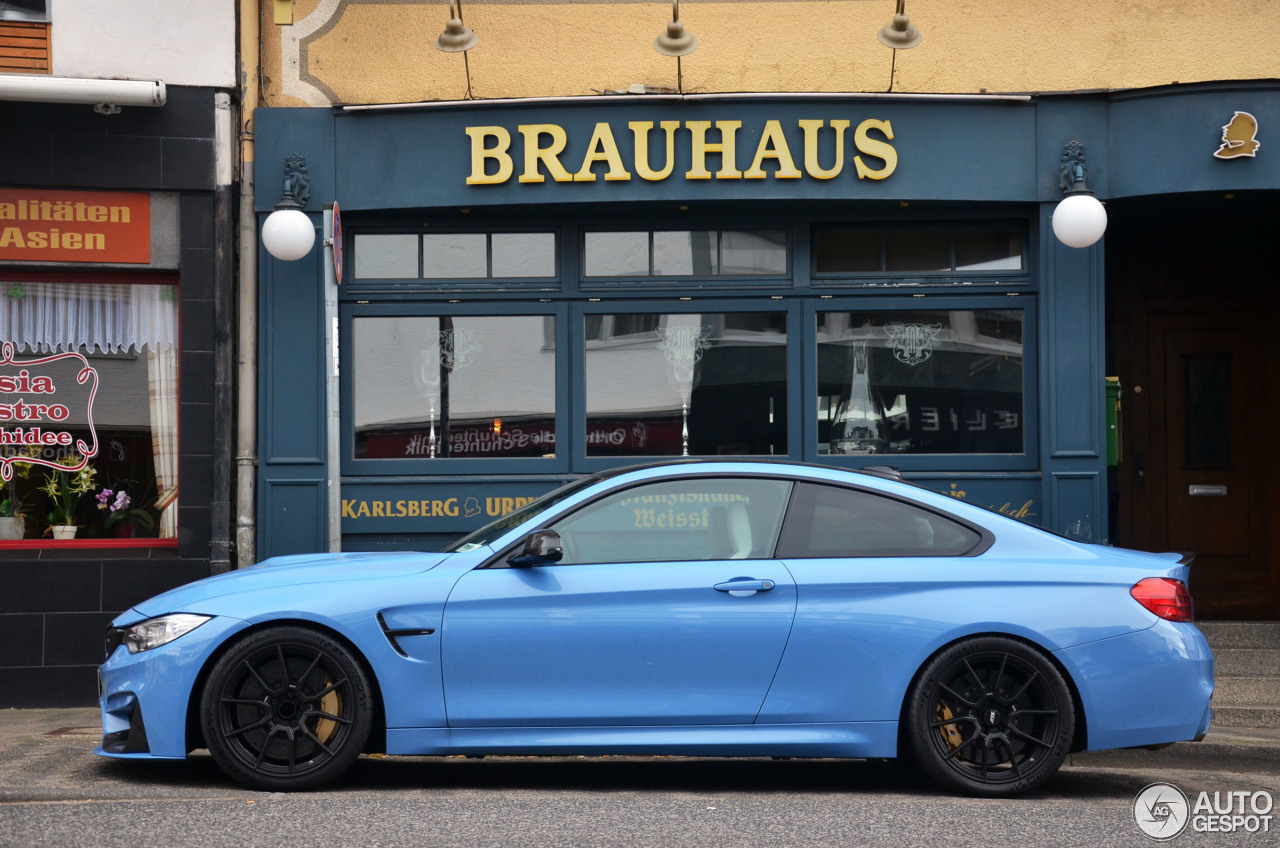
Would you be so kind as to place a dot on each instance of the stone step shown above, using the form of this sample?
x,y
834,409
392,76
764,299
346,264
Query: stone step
x,y
1247,692
1245,716
1241,634
1246,662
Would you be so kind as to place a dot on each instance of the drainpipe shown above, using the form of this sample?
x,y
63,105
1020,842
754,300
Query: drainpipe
x,y
223,320
247,368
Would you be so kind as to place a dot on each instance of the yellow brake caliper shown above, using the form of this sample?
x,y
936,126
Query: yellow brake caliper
x,y
950,733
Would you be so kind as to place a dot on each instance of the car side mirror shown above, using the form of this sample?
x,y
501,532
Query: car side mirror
x,y
541,547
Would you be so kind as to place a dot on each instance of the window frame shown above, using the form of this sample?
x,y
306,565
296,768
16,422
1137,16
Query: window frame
x,y
1027,460
423,469
638,283
444,285
950,278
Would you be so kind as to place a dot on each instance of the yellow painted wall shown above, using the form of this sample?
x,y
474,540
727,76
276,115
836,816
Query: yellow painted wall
x,y
382,51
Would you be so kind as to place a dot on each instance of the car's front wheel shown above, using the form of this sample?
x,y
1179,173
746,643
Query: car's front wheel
x,y
990,716
286,708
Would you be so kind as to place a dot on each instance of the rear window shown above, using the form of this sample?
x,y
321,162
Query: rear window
x,y
833,521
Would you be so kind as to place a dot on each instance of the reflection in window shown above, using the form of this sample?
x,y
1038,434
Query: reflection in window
x,y
916,251
677,520
466,387
128,335
685,253
455,256
928,381
383,257
686,384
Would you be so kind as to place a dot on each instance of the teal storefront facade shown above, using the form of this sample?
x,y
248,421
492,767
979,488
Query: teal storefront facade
x,y
532,291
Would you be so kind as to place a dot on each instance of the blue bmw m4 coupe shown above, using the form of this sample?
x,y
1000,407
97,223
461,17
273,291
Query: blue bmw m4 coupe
x,y
701,608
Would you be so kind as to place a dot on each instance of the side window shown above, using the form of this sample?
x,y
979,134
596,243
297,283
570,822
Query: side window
x,y
832,521
709,518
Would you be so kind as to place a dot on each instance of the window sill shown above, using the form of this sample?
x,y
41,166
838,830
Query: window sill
x,y
81,544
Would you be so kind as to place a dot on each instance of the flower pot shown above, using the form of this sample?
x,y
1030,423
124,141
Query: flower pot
x,y
12,527
64,531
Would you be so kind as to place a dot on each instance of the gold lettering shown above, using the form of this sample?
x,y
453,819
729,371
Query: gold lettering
x,y
377,509
640,129
363,510
8,212
727,148
12,237
773,145
347,508
451,507
119,214
401,509
874,147
602,149
548,156
480,155
812,132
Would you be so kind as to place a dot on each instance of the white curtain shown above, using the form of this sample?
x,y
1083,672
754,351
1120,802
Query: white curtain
x,y
103,316
111,318
162,377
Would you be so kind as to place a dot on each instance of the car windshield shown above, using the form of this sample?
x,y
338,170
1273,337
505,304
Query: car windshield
x,y
495,529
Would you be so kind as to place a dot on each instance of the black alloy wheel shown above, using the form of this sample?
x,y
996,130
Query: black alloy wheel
x,y
990,716
286,708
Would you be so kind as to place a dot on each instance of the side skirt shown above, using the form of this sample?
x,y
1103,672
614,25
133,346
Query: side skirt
x,y
851,739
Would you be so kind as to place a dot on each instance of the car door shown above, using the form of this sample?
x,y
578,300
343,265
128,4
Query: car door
x,y
667,609
879,579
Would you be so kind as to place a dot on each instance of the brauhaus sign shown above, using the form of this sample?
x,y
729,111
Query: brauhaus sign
x,y
647,150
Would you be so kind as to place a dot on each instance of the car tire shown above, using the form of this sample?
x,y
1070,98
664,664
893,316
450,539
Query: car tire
x,y
286,708
990,716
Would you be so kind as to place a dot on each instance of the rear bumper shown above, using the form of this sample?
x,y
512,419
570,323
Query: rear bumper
x,y
1144,688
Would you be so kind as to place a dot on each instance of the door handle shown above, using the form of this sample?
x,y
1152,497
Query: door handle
x,y
740,586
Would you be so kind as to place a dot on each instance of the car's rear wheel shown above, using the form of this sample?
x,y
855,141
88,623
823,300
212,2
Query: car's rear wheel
x,y
990,716
286,708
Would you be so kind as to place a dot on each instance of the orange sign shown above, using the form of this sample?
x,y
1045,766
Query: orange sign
x,y
43,225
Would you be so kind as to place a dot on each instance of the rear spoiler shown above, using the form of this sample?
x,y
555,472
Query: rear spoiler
x,y
1188,557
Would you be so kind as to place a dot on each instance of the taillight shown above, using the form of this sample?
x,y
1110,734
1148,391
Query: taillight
x,y
1165,597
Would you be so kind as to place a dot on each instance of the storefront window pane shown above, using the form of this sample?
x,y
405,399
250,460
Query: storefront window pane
x,y
909,251
447,256
927,381
381,257
524,254
616,255
855,252
704,384
686,253
89,377
753,253
467,387
984,250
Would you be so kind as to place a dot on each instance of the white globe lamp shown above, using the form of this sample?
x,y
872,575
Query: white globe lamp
x,y
1080,219
288,234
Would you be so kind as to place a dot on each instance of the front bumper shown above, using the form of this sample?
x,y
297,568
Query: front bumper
x,y
144,697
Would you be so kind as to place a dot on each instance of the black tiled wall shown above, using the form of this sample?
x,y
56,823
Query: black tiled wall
x,y
55,604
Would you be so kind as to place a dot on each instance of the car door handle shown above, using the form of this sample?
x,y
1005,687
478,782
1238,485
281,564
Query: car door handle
x,y
744,585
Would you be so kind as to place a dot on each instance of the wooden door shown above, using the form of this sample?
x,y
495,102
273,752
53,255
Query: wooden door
x,y
1200,458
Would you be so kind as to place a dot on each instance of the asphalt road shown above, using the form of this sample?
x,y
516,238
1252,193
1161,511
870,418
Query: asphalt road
x,y
55,792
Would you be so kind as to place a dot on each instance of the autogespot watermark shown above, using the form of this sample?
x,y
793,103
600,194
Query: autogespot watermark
x,y
1162,811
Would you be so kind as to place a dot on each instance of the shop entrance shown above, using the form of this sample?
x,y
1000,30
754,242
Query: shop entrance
x,y
1191,342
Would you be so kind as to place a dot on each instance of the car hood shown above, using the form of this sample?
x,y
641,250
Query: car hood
x,y
285,571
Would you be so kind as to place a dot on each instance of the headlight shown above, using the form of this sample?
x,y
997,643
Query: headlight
x,y
155,632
